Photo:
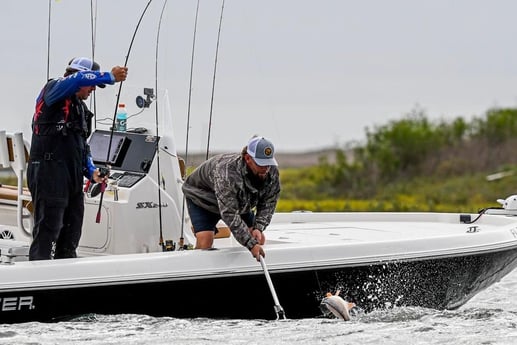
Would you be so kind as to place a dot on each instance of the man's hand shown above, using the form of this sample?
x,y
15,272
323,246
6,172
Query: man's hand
x,y
100,175
258,235
257,251
120,73
104,171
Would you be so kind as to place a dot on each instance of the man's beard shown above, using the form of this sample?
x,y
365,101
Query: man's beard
x,y
256,180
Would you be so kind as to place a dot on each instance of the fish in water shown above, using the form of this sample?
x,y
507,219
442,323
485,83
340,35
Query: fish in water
x,y
333,303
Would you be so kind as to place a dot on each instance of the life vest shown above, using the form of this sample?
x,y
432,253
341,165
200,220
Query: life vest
x,y
70,114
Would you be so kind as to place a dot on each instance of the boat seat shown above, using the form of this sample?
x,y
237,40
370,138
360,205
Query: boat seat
x,y
183,168
223,232
11,193
7,150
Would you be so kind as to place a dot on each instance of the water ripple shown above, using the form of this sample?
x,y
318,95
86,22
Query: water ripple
x,y
7,334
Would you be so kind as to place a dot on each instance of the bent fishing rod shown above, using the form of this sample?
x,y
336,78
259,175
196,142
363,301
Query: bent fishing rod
x,y
103,184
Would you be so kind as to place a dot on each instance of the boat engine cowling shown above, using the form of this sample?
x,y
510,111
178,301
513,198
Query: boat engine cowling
x,y
510,203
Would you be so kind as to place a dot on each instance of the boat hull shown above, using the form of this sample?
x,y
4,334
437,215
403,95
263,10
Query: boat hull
x,y
441,283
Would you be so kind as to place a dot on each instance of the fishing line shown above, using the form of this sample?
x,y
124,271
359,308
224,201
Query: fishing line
x,y
157,136
103,186
213,81
188,116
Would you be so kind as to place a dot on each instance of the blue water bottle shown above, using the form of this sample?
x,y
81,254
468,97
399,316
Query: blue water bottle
x,y
121,120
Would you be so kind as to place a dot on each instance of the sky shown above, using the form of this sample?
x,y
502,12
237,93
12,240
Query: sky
x,y
306,74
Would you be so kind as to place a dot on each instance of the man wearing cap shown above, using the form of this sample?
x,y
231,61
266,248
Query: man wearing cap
x,y
241,189
60,157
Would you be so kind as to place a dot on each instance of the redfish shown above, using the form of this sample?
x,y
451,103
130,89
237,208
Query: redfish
x,y
336,305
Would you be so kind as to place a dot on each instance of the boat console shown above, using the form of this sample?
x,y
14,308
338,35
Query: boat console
x,y
140,209
130,215
129,156
128,151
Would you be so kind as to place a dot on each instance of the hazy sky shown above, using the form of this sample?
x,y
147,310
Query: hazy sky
x,y
306,74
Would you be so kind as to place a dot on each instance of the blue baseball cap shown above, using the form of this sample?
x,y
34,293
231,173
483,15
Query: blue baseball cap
x,y
84,64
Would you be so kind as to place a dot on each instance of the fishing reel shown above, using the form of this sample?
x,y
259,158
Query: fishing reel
x,y
93,189
104,171
142,102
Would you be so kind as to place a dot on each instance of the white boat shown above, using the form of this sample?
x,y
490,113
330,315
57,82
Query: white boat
x,y
377,260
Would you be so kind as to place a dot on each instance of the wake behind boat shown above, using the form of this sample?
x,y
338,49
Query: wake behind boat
x,y
377,260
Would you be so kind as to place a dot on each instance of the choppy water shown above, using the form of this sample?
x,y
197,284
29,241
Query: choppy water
x,y
489,318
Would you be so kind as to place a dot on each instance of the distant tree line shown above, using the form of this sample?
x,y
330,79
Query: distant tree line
x,y
407,148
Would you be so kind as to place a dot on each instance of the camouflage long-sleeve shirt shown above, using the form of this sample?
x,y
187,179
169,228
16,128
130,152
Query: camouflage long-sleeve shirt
x,y
222,185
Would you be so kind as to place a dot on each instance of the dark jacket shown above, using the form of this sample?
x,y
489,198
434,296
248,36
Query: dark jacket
x,y
59,154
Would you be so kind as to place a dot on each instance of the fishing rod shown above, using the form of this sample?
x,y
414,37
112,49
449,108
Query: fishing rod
x,y
93,24
157,136
190,82
213,81
48,38
103,184
181,241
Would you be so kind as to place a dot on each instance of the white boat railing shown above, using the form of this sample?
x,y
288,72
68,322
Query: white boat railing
x,y
14,155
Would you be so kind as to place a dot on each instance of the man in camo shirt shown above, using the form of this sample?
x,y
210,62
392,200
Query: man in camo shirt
x,y
241,189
